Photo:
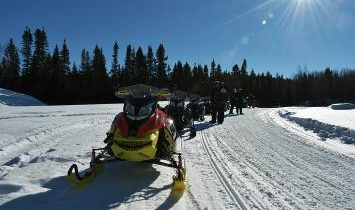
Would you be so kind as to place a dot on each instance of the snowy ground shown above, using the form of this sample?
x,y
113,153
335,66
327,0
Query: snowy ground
x,y
255,161
8,97
336,121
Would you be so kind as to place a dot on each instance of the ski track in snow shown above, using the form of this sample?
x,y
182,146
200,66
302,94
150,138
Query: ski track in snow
x,y
252,161
234,195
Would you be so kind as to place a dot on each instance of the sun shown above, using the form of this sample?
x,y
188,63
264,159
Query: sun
x,y
299,12
302,6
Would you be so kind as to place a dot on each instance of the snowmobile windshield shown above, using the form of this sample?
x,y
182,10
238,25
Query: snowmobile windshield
x,y
139,109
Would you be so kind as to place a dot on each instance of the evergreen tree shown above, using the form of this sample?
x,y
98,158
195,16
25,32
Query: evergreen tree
x,y
197,79
49,77
101,84
161,66
252,81
41,50
218,73
205,71
86,78
236,78
213,69
177,76
129,72
150,61
74,85
85,62
206,84
115,70
187,78
27,41
134,68
244,76
168,72
141,68
58,77
38,73
65,57
10,67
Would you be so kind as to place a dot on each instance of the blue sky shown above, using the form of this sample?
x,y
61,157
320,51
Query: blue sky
x,y
273,35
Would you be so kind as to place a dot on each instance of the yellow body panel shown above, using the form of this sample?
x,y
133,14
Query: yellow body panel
x,y
135,149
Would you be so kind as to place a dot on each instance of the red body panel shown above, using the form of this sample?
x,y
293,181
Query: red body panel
x,y
157,121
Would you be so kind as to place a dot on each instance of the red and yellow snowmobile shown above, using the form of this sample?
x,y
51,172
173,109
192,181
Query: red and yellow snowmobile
x,y
142,132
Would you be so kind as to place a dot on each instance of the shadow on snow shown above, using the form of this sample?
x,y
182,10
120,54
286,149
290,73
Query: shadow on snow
x,y
114,186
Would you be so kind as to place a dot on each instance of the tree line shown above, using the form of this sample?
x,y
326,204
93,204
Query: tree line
x,y
49,76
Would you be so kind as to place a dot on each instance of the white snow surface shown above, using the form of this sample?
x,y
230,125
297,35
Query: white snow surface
x,y
253,161
12,98
335,121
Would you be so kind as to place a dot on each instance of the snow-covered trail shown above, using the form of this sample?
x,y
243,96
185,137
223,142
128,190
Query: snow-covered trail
x,y
38,144
249,162
268,167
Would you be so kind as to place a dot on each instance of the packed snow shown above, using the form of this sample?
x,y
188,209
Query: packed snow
x,y
335,121
258,160
12,98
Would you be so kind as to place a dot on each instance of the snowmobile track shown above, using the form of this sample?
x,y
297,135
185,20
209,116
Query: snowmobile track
x,y
235,196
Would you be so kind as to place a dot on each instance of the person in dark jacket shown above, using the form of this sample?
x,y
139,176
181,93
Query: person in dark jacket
x,y
219,98
233,100
239,101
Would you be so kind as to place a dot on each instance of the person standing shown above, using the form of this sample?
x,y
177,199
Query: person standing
x,y
218,98
239,101
214,102
233,100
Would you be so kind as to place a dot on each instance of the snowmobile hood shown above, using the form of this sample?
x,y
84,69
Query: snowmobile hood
x,y
157,121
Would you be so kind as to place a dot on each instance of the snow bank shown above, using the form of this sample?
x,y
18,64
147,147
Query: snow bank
x,y
324,121
12,98
342,106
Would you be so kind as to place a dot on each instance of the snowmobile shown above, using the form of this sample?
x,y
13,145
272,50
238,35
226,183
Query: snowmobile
x,y
181,115
207,104
143,132
197,110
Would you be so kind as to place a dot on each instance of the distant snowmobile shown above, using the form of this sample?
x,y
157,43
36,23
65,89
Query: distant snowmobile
x,y
142,132
181,115
207,104
196,108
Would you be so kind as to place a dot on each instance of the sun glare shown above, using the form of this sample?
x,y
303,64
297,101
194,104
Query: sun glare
x,y
297,13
